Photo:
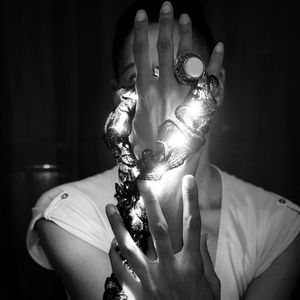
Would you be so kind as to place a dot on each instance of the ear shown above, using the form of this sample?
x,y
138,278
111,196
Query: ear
x,y
114,86
221,88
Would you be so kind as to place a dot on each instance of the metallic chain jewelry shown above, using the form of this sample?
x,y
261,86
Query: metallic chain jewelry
x,y
177,139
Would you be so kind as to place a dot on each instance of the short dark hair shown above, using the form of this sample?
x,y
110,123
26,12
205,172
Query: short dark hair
x,y
193,8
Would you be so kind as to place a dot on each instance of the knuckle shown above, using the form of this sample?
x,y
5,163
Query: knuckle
x,y
140,26
115,220
139,47
114,262
192,223
151,199
184,29
160,231
110,253
128,251
154,289
165,20
183,49
191,195
164,45
195,270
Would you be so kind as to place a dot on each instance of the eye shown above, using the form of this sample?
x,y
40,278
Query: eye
x,y
132,78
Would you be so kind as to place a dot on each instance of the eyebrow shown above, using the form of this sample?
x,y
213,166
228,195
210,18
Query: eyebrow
x,y
130,65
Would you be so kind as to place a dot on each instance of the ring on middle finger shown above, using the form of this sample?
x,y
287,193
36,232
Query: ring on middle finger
x,y
189,68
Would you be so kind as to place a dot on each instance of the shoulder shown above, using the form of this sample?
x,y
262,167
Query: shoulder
x,y
76,208
98,188
69,232
253,201
239,190
263,224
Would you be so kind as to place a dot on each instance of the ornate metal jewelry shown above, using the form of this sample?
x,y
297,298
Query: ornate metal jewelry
x,y
177,139
189,67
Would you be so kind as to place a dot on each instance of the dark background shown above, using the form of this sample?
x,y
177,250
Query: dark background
x,y
55,94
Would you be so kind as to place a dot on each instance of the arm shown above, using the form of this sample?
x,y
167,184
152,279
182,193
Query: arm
x,y
82,267
279,280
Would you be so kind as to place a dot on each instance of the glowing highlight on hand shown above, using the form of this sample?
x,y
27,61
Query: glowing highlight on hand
x,y
177,139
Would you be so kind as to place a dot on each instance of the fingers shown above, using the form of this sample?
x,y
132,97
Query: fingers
x,y
165,48
119,268
209,270
185,33
191,217
216,60
127,246
158,225
141,49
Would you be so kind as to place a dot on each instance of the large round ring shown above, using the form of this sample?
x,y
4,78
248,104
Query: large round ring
x,y
189,68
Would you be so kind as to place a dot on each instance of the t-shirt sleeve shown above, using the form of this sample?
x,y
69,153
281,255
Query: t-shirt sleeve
x,y
74,210
281,226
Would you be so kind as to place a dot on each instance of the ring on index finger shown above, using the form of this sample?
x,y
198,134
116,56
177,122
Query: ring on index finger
x,y
189,68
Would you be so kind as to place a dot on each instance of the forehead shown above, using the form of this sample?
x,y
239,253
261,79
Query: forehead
x,y
126,57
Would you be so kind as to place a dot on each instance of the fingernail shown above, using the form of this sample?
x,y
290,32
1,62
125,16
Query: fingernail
x,y
140,15
110,209
114,245
114,242
220,47
188,182
166,7
184,19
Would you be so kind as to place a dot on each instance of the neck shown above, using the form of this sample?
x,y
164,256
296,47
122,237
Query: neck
x,y
208,183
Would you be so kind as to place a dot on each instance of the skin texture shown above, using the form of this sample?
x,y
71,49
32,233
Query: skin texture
x,y
187,275
84,268
149,46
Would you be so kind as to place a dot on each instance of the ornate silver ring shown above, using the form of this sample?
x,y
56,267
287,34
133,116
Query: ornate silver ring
x,y
189,68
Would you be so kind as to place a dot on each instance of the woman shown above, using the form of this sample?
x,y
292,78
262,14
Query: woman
x,y
253,240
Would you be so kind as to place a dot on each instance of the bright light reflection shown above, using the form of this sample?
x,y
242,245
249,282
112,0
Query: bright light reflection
x,y
135,171
160,170
195,109
119,126
177,139
128,293
135,218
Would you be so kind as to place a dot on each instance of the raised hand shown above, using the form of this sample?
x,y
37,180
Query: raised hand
x,y
159,96
187,275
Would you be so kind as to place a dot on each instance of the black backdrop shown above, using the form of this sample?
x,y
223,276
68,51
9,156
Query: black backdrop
x,y
55,95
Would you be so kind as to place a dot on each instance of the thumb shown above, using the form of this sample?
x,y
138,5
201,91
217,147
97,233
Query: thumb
x,y
208,267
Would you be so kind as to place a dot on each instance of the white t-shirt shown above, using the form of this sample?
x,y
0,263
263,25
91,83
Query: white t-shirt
x,y
256,226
